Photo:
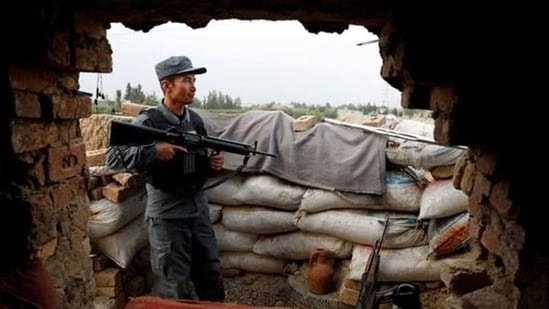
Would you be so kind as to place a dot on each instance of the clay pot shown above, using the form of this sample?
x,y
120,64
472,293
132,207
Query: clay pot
x,y
321,272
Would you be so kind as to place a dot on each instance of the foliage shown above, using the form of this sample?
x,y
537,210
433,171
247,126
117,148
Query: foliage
x,y
136,95
118,102
218,100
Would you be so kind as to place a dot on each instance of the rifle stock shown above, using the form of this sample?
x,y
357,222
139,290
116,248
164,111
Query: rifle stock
x,y
124,133
369,285
404,295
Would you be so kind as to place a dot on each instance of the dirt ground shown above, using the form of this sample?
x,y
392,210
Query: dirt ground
x,y
257,290
272,290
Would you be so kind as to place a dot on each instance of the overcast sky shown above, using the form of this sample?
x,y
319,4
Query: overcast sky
x,y
257,61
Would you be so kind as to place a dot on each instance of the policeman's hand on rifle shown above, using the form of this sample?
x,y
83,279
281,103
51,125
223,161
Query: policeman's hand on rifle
x,y
166,151
216,161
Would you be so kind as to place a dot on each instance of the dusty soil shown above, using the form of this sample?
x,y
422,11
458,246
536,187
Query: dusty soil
x,y
257,290
272,290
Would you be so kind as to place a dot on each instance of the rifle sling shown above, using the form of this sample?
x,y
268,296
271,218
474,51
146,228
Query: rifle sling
x,y
234,173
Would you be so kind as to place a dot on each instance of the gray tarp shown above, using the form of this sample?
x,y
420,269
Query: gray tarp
x,y
326,156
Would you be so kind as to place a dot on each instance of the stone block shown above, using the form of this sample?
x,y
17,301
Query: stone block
x,y
304,123
65,161
129,180
27,105
374,121
96,157
109,277
28,136
75,107
133,109
109,291
117,193
443,99
499,198
32,80
461,276
95,194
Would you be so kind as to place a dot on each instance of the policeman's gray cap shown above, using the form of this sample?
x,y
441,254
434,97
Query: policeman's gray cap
x,y
176,65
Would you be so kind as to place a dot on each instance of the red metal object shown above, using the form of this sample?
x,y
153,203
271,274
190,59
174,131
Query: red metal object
x,y
152,302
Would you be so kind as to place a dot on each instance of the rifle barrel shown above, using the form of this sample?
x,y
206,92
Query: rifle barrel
x,y
123,133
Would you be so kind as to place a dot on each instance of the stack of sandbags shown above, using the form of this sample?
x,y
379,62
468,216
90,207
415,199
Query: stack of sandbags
x,y
405,152
440,202
119,238
267,222
120,253
253,208
116,224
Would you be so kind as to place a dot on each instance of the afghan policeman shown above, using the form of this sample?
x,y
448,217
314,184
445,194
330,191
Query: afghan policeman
x,y
183,246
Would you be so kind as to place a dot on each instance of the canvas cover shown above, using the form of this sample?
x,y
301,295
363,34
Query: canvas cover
x,y
342,159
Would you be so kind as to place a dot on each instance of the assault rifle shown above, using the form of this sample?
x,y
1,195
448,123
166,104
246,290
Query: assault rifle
x,y
404,295
124,133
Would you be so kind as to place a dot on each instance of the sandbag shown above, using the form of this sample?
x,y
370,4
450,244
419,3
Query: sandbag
x,y
365,227
440,199
223,193
252,262
316,200
417,154
397,265
106,217
258,220
233,240
449,235
403,193
266,190
122,246
299,245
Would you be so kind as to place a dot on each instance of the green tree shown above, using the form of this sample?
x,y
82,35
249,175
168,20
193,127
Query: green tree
x,y
152,100
118,101
135,94
217,100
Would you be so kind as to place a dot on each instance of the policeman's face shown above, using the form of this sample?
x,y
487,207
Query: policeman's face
x,y
181,88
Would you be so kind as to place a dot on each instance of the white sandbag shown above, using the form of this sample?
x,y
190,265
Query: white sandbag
x,y
233,240
403,193
106,217
397,265
223,193
449,235
258,220
122,246
299,245
252,262
417,154
266,190
440,199
316,200
421,155
365,227
215,212
414,127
